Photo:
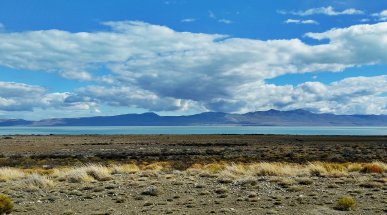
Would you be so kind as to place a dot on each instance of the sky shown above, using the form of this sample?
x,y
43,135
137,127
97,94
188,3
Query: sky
x,y
80,58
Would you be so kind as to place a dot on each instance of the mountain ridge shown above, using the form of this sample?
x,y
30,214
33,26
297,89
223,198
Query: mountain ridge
x,y
298,117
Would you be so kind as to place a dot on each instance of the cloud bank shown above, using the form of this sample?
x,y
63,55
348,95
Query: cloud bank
x,y
159,69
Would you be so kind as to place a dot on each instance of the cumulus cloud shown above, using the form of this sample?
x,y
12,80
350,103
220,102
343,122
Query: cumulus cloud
x,y
348,96
329,11
299,21
159,69
382,16
23,97
126,96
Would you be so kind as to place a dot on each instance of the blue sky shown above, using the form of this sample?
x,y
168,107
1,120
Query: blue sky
x,y
76,58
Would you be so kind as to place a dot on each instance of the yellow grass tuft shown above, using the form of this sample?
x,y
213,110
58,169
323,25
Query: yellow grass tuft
x,y
73,175
85,173
375,167
7,173
157,166
98,172
125,169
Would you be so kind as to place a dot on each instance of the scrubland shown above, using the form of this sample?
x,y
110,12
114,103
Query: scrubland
x,y
220,188
196,185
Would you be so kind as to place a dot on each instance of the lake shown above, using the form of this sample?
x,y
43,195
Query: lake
x,y
300,130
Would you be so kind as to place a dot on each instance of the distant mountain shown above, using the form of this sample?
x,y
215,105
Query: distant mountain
x,y
14,122
259,118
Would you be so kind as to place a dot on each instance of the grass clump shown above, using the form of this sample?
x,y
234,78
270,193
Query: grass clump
x,y
73,175
125,169
36,180
345,203
374,167
98,172
7,173
6,204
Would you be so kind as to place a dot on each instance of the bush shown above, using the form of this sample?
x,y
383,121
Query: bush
x,y
6,204
345,203
372,168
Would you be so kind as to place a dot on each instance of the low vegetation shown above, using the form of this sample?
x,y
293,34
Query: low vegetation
x,y
288,169
87,173
6,204
221,183
345,203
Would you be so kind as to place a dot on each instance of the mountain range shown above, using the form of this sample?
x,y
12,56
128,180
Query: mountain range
x,y
259,118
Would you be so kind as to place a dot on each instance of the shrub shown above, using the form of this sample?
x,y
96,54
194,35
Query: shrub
x,y
372,168
6,204
151,191
345,203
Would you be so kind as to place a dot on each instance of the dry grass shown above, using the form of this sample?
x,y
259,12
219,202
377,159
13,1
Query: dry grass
x,y
36,181
157,166
98,172
85,173
226,172
7,174
73,175
288,169
375,167
125,169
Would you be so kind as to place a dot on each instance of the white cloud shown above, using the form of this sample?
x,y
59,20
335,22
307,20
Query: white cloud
x,y
225,21
298,21
348,96
23,97
157,68
364,20
127,96
212,15
76,75
329,11
188,20
382,16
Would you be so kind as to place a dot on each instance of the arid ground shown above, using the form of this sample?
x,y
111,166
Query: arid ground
x,y
194,174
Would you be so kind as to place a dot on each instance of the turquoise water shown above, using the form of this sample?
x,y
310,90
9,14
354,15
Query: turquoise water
x,y
73,130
